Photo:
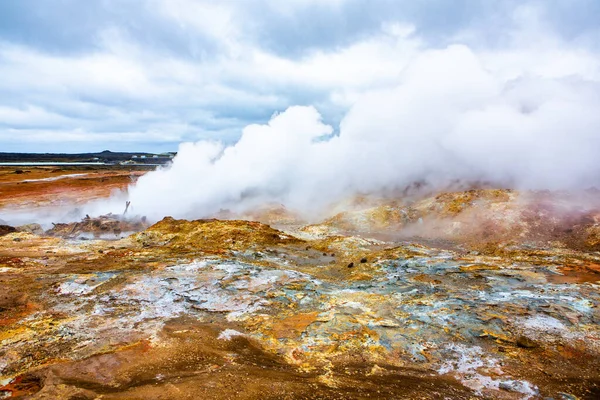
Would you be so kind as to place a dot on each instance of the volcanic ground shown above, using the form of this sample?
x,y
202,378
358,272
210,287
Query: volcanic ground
x,y
483,293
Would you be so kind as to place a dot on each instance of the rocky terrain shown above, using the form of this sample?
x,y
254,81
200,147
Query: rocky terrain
x,y
459,295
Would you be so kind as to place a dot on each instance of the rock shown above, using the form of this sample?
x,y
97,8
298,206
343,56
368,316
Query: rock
x,y
133,315
567,396
12,300
108,224
36,229
518,387
214,235
6,229
526,343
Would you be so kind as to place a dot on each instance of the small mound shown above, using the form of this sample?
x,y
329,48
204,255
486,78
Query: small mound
x,y
276,214
372,219
212,235
103,225
450,204
483,217
6,229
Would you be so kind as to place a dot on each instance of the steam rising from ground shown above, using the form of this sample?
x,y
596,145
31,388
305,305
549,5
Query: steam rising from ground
x,y
453,115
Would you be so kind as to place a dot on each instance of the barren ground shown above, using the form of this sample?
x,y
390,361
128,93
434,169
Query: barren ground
x,y
477,294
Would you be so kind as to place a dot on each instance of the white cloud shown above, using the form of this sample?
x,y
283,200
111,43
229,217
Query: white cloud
x,y
123,80
31,116
123,85
453,113
212,18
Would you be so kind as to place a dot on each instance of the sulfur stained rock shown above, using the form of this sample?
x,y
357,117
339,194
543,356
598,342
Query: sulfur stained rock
x,y
213,235
414,307
293,326
484,219
184,307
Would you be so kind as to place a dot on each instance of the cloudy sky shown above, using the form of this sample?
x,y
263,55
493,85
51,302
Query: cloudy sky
x,y
148,74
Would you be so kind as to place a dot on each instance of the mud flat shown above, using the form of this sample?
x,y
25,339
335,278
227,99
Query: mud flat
x,y
347,308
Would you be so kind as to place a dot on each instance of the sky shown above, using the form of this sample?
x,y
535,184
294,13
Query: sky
x,y
146,75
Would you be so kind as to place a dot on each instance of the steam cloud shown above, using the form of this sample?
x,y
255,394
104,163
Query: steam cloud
x,y
454,115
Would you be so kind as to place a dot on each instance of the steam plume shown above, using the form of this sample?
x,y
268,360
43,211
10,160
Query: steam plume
x,y
450,117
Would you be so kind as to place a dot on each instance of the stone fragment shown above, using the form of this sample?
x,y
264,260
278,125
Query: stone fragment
x,y
526,343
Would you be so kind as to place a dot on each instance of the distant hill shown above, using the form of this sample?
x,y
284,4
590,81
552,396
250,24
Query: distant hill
x,y
104,156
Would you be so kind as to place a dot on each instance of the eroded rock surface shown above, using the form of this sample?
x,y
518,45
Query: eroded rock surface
x,y
108,226
239,309
484,217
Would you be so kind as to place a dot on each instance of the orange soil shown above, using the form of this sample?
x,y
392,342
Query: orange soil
x,y
25,189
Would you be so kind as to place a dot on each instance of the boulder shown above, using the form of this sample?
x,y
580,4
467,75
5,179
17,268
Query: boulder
x,y
36,229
